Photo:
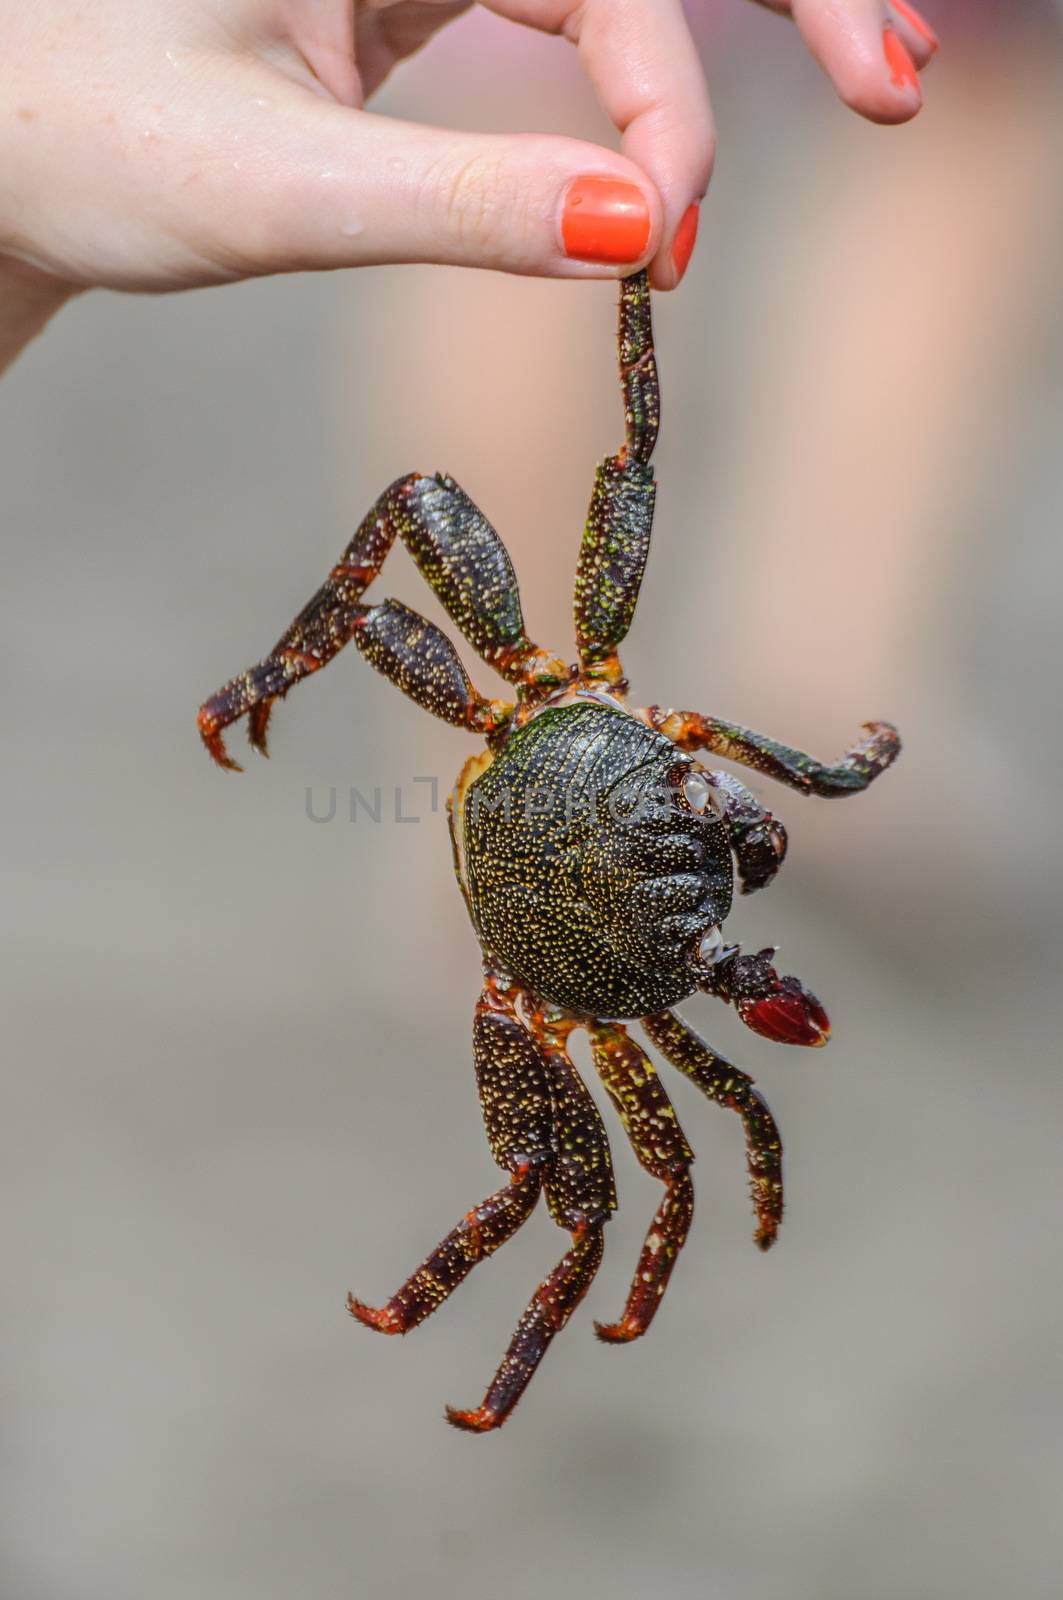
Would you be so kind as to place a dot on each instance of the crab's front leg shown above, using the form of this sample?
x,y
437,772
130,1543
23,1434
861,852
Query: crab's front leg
x,y
775,1005
860,765
465,564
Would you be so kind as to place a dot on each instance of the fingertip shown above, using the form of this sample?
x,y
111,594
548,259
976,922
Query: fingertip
x,y
884,89
680,162
685,239
866,59
669,268
920,38
609,220
894,96
643,61
887,110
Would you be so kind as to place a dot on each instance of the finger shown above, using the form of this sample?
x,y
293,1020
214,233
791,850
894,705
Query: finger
x,y
910,25
915,31
322,185
641,58
859,45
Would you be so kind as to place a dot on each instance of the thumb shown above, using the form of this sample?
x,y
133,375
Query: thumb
x,y
339,187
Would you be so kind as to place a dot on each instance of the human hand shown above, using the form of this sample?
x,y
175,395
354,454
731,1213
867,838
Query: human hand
x,y
176,143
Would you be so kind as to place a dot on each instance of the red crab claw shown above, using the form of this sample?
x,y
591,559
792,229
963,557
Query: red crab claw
x,y
779,1008
789,1016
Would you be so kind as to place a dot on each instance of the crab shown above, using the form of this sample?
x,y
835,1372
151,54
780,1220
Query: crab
x,y
597,857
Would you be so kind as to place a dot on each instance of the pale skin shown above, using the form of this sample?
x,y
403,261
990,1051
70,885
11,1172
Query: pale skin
x,y
174,144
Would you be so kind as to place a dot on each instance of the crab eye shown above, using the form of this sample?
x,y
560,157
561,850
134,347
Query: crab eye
x,y
696,791
711,945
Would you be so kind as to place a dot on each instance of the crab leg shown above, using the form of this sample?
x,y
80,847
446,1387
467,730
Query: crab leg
x,y
757,839
407,648
580,1194
479,1234
858,767
638,368
616,540
722,1082
549,1309
662,1150
464,562
468,568
515,1100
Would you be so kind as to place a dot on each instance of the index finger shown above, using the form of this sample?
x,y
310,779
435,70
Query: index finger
x,y
643,63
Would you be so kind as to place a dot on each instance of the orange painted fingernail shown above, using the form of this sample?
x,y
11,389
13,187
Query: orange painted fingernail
x,y
914,20
900,63
606,220
685,238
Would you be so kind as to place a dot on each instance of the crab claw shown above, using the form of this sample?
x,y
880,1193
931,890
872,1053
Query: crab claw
x,y
789,1016
779,1008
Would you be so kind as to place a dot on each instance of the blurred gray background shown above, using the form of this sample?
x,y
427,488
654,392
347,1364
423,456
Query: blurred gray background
x,y
237,1071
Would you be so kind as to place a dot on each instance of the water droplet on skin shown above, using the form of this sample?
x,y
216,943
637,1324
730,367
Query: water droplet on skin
x,y
262,100
352,227
396,164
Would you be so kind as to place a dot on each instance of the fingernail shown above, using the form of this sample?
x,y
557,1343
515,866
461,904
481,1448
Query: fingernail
x,y
606,220
685,238
902,68
914,20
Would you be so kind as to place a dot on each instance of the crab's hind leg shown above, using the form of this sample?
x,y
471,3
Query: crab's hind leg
x,y
860,765
616,539
515,1099
661,1149
720,1081
580,1194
